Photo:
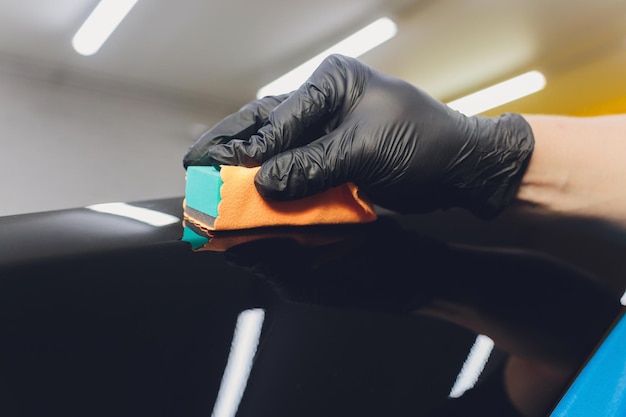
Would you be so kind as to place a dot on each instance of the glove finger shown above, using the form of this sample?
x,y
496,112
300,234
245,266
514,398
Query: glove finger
x,y
316,108
241,125
305,170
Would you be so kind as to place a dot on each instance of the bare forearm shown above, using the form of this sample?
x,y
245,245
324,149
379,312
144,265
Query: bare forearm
x,y
578,167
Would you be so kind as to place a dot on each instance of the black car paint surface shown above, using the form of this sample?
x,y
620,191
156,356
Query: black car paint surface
x,y
103,315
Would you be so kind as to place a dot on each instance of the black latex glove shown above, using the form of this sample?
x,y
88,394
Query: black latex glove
x,y
349,123
240,125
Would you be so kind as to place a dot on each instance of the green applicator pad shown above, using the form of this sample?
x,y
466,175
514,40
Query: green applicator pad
x,y
202,194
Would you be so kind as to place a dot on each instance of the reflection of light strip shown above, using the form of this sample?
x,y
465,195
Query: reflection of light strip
x,y
151,217
354,45
623,299
239,364
499,94
100,24
473,366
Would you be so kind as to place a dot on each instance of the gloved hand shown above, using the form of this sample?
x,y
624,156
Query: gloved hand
x,y
406,151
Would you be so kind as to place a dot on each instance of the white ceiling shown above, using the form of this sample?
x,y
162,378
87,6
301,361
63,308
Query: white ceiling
x,y
220,52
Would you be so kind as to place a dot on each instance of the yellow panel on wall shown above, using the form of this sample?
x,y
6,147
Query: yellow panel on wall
x,y
594,86
616,106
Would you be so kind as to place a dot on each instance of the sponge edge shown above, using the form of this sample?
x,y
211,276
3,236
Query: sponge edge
x,y
202,195
227,199
202,189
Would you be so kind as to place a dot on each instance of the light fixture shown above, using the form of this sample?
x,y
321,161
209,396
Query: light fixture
x,y
144,215
100,24
499,94
354,45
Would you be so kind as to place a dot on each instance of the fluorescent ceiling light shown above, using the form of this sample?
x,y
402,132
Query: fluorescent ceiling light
x,y
499,94
100,24
148,216
357,44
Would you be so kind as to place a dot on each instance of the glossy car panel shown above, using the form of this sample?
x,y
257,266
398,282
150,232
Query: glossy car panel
x,y
102,315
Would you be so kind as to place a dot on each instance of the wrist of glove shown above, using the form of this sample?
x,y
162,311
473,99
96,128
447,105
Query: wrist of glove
x,y
406,151
486,176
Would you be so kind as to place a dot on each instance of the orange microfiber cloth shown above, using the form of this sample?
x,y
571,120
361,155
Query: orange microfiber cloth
x,y
226,199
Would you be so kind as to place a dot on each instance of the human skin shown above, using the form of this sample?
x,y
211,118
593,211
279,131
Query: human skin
x,y
577,167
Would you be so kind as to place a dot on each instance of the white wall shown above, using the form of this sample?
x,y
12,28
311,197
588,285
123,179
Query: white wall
x,y
64,146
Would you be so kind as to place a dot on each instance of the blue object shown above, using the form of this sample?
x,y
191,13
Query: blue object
x,y
202,189
195,240
600,388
